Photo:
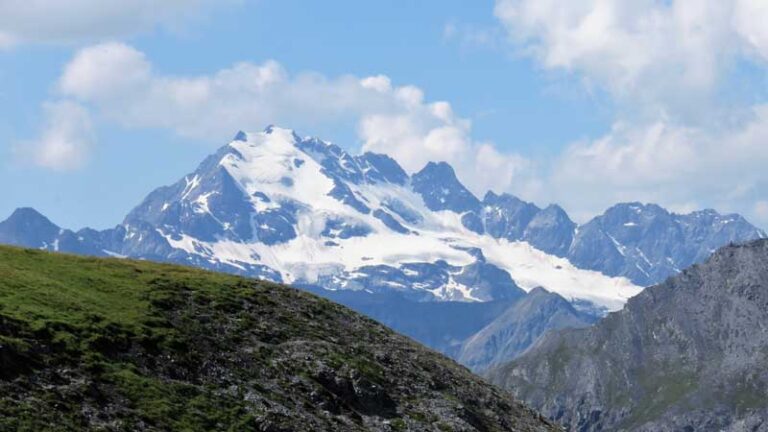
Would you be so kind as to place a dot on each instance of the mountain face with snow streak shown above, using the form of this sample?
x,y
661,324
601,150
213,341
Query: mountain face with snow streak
x,y
304,211
648,244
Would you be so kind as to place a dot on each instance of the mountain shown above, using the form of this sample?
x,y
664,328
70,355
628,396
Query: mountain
x,y
441,190
688,354
303,211
519,327
476,334
27,226
106,344
647,244
550,230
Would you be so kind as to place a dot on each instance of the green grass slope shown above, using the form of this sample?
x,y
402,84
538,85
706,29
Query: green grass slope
x,y
108,344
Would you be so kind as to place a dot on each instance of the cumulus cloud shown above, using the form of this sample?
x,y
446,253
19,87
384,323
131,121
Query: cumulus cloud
x,y
56,21
666,64
65,140
662,59
659,56
749,20
120,84
679,166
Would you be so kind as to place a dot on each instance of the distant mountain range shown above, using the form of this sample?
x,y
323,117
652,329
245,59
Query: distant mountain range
x,y
303,211
689,354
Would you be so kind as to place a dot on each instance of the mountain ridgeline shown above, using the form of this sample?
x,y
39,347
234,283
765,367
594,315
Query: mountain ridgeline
x,y
553,311
261,188
518,327
92,344
689,354
394,245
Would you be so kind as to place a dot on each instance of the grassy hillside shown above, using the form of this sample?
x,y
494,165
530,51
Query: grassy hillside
x,y
107,344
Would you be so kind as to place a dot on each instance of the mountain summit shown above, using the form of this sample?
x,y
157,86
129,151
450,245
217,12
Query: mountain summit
x,y
304,211
300,210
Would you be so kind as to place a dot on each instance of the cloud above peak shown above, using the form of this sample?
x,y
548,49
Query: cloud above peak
x,y
680,136
119,83
665,64
675,165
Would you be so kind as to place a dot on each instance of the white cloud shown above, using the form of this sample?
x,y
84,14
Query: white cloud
x,y
661,57
106,71
750,20
66,138
647,53
666,64
471,36
761,210
57,21
121,85
677,166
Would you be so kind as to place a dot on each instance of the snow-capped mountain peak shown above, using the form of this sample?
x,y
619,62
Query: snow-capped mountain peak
x,y
312,213
275,205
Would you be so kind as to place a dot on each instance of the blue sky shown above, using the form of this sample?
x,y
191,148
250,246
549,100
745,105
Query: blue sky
x,y
571,104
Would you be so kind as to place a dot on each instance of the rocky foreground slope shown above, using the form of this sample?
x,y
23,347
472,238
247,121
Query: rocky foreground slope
x,y
107,344
690,354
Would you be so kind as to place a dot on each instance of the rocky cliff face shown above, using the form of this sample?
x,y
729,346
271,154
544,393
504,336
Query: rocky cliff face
x,y
92,344
689,354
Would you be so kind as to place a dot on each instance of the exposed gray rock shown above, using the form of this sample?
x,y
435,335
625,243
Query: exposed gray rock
x,y
441,190
507,216
690,354
647,244
551,231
